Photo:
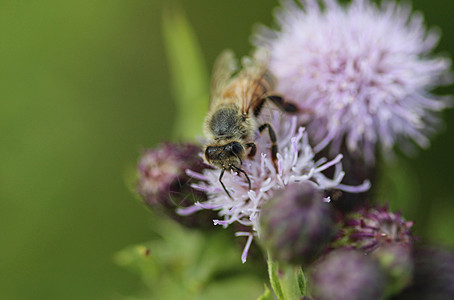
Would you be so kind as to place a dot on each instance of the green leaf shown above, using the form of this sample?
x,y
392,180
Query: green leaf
x,y
274,278
180,263
302,284
290,283
190,83
267,295
236,287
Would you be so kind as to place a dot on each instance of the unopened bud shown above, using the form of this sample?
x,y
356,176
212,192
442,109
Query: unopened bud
x,y
164,185
433,275
371,228
347,274
296,225
397,264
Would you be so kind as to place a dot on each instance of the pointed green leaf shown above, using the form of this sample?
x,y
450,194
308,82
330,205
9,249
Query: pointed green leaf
x,y
288,282
274,278
302,282
190,83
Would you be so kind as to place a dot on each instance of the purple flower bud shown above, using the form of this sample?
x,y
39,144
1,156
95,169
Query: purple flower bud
x,y
397,262
371,228
347,274
297,224
433,276
163,183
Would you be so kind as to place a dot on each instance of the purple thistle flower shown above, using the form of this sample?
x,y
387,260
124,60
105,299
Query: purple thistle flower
x,y
365,72
371,228
295,165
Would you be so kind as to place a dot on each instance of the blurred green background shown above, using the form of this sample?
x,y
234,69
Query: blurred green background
x,y
84,86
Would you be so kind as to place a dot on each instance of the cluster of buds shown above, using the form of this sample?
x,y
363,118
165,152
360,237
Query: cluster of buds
x,y
365,74
365,255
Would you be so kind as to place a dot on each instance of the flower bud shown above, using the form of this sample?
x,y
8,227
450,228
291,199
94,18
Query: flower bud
x,y
347,274
433,276
296,225
397,264
371,228
164,185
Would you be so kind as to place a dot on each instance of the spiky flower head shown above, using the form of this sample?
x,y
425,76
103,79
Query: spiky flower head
x,y
364,71
296,225
295,162
347,274
163,183
371,228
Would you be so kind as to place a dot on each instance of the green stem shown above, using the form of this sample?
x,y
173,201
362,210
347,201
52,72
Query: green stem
x,y
274,278
288,282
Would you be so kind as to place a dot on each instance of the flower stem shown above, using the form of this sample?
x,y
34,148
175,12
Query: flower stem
x,y
288,282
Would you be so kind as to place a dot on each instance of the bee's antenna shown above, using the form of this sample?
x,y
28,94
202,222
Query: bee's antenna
x,y
220,180
245,174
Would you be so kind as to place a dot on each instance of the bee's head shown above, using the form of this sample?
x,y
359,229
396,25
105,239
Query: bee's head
x,y
225,156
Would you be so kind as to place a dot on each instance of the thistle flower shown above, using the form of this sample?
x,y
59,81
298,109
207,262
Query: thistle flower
x,y
365,72
347,274
163,183
295,165
371,228
296,224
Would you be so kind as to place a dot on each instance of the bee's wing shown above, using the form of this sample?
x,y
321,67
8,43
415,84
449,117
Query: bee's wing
x,y
224,68
255,72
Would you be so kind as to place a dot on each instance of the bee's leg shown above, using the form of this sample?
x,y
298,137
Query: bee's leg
x,y
245,174
273,142
220,180
278,101
253,149
259,106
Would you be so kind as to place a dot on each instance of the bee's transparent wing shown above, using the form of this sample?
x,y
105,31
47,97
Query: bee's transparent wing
x,y
255,70
224,68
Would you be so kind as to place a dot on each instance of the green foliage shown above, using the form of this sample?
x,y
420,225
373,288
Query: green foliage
x,y
288,282
185,264
398,186
189,75
267,295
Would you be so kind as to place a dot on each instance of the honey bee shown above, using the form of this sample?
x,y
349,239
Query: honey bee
x,y
237,99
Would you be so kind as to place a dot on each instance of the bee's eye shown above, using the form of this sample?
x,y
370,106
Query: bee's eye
x,y
210,151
